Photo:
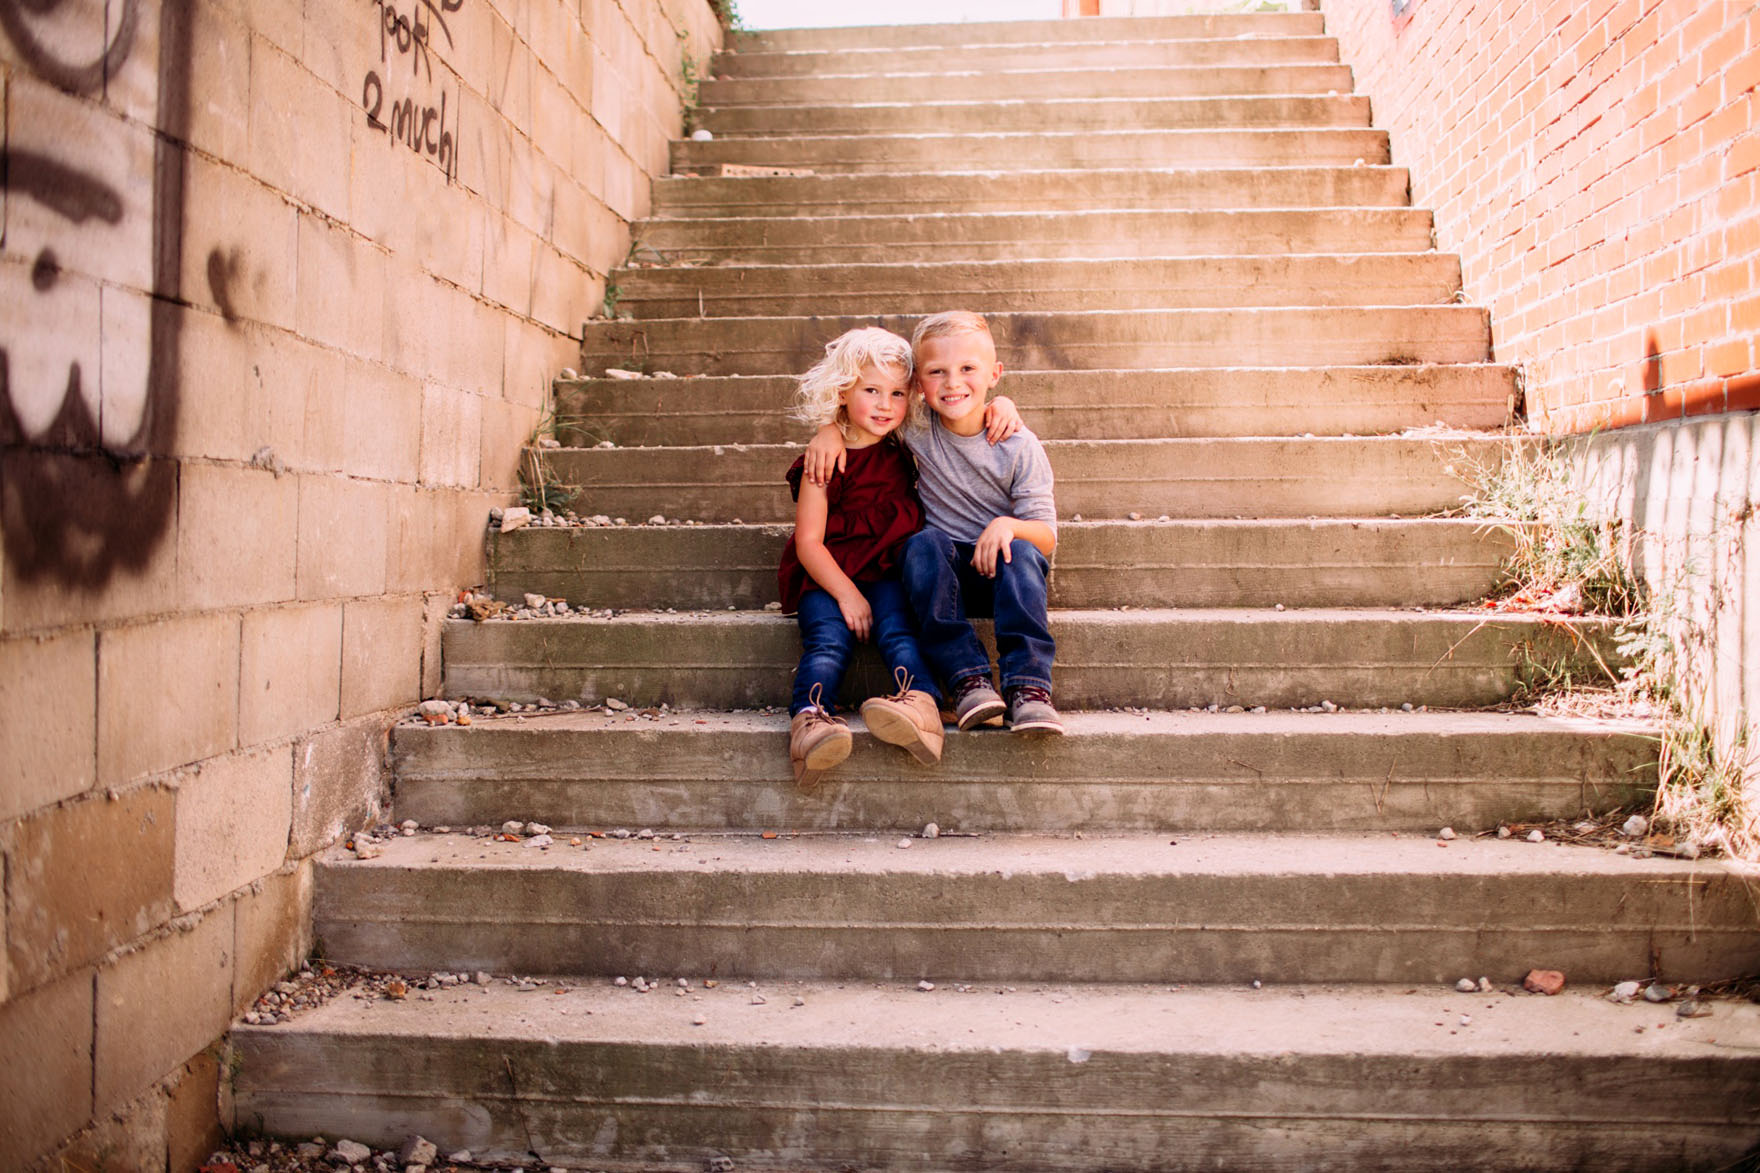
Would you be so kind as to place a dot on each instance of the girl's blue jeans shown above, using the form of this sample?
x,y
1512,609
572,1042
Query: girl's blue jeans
x,y
827,643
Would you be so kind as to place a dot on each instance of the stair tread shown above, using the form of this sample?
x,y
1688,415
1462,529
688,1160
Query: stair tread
x,y
1065,1018
1022,855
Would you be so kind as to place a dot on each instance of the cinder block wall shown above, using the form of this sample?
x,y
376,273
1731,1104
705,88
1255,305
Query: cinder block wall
x,y
282,287
1597,167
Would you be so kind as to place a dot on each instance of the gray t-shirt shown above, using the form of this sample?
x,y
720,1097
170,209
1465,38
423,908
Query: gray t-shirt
x,y
966,482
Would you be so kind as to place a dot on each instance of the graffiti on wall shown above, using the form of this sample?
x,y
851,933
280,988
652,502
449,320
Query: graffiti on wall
x,y
396,101
89,257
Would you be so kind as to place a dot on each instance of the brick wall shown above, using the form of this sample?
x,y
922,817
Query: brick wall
x,y
1597,166
281,291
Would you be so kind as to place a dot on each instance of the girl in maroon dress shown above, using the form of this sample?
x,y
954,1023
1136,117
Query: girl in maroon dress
x,y
839,570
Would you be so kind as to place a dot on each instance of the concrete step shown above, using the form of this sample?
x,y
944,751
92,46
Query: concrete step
x,y
1193,282
936,56
1217,188
1071,405
1332,563
1118,237
975,83
1096,479
1279,771
1037,151
1088,340
1072,34
1089,1078
932,113
1158,659
1037,908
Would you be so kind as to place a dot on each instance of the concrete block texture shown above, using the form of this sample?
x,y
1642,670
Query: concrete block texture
x,y
338,783
234,528
290,671
273,931
167,694
86,877
48,743
233,817
46,1090
141,1033
381,654
341,537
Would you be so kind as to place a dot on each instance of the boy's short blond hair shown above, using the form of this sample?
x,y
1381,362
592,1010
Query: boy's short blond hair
x,y
951,322
819,398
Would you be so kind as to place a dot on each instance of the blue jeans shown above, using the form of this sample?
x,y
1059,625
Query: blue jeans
x,y
827,644
945,588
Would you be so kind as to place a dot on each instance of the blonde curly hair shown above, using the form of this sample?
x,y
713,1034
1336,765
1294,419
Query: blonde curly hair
x,y
819,398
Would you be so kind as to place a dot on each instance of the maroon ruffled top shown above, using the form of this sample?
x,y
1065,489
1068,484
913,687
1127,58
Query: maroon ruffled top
x,y
871,509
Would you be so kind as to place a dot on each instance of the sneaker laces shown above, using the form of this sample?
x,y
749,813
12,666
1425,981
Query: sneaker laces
x,y
968,684
1030,692
817,710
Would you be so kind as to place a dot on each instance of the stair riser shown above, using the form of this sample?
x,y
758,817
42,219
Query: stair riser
x,y
1174,660
1254,51
1028,926
1101,340
594,1103
1029,85
932,113
1109,778
1070,405
1043,287
983,240
1033,191
1068,34
1361,564
1179,478
1038,152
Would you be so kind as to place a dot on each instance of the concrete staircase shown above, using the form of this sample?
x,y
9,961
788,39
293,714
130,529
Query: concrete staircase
x,y
1191,935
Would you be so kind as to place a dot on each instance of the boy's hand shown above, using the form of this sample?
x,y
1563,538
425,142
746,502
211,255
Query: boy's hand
x,y
826,454
857,615
1002,419
993,542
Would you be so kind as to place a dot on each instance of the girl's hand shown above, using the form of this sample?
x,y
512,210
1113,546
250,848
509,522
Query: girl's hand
x,y
992,544
825,455
857,615
1002,419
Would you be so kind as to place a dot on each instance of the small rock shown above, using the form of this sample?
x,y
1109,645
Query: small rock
x,y
620,981
1624,992
461,1157
798,1002
1484,985
432,708
702,135
538,841
310,1152
904,843
684,983
366,847
1635,827
1543,981
535,601
1466,1020
719,1165
1657,992
1446,833
645,833
758,1000
1134,515
482,979
349,1152
513,827
620,373
1536,836
931,831
615,705
925,986
1503,832
1466,985
700,1020
657,519
537,828
418,1151
1692,1008
516,518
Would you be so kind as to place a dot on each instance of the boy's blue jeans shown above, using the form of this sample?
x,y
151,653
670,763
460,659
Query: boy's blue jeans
x,y
827,643
945,588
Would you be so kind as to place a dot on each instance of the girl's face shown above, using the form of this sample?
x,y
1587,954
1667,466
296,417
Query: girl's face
x,y
875,405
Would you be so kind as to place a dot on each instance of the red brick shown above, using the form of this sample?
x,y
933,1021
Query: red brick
x,y
1730,358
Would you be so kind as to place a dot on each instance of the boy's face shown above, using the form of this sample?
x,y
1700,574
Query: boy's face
x,y
955,373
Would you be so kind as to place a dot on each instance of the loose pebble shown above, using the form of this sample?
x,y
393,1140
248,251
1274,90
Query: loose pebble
x,y
1466,985
904,843
1657,992
925,986
1536,836
931,831
1625,991
1446,833
1543,981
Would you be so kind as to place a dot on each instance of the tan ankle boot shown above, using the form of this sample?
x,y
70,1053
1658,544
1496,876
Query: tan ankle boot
x,y
911,719
817,741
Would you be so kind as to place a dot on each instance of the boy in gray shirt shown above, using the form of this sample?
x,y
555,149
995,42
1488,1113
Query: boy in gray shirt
x,y
992,526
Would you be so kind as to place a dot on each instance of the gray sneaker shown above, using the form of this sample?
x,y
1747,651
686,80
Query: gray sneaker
x,y
1030,711
976,703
